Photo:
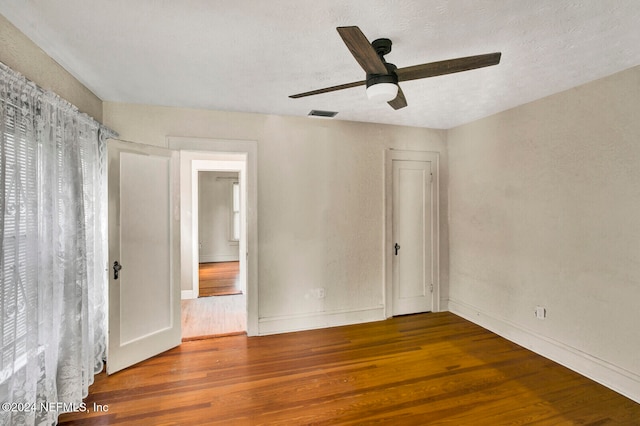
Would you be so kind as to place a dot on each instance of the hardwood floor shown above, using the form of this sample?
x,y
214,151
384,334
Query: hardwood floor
x,y
410,370
224,314
214,316
219,278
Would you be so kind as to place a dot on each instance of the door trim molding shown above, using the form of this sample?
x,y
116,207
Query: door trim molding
x,y
198,164
391,155
204,149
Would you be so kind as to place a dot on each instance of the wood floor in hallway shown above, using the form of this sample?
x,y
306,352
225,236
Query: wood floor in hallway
x,y
221,308
219,278
425,369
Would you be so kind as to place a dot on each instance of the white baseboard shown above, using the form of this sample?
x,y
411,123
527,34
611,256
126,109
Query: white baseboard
x,y
607,374
309,321
187,294
218,258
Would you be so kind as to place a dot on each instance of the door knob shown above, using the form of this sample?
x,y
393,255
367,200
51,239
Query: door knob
x,y
397,247
116,269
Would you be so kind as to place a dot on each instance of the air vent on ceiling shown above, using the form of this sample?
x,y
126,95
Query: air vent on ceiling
x,y
322,114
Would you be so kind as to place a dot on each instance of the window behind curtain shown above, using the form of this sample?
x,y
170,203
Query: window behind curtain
x,y
53,250
18,233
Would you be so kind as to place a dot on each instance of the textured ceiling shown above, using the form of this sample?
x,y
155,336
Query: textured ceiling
x,y
249,55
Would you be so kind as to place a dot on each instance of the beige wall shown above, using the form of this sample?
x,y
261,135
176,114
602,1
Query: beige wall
x,y
23,56
544,202
214,217
545,210
320,199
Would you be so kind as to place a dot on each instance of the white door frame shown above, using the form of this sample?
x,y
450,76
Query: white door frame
x,y
389,157
200,149
240,166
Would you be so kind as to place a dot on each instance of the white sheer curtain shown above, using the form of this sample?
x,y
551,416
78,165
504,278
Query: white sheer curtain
x,y
54,256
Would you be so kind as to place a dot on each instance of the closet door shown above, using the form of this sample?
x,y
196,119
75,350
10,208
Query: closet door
x,y
413,237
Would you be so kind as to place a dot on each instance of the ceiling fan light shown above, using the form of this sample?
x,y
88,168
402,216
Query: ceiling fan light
x,y
382,92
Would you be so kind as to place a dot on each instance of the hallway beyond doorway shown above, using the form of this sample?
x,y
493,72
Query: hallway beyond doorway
x,y
219,279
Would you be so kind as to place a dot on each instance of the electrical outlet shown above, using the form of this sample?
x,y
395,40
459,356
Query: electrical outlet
x,y
541,312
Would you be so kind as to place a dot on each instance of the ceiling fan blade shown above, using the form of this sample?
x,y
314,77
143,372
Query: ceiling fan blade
x,y
362,50
400,101
329,89
449,66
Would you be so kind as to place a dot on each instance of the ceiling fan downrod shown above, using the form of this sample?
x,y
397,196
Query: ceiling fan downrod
x,y
382,46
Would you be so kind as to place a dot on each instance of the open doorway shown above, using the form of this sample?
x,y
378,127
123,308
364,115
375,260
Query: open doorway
x,y
240,156
218,302
219,234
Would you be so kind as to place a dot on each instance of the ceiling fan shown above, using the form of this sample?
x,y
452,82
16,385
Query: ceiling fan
x,y
383,77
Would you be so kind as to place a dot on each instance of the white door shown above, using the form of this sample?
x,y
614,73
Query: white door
x,y
144,295
412,237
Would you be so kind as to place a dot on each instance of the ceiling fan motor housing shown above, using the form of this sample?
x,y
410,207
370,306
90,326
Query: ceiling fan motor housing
x,y
386,85
383,87
381,78
391,77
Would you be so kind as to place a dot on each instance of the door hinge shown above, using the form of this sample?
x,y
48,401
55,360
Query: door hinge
x,y
431,177
431,287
